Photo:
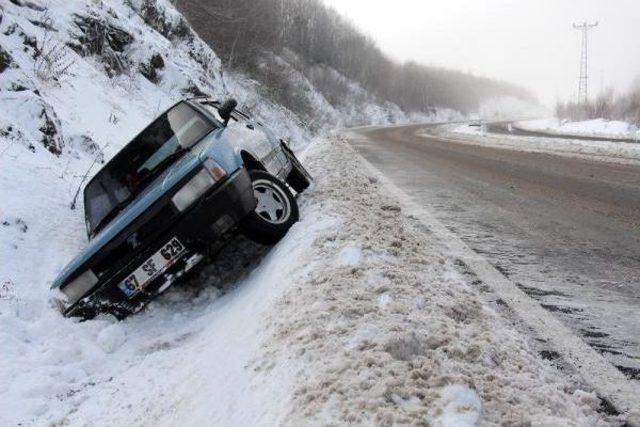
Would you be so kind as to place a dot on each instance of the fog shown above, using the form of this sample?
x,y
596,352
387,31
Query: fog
x,y
528,42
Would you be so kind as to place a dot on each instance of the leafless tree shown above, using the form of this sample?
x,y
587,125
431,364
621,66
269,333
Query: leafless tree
x,y
52,64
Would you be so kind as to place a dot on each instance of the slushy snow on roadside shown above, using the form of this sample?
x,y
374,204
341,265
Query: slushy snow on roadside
x,y
608,151
596,128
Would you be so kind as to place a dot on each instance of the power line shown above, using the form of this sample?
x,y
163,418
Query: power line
x,y
583,81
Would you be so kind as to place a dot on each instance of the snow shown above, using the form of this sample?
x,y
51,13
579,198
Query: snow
x,y
595,128
609,151
381,342
350,256
461,407
357,316
294,337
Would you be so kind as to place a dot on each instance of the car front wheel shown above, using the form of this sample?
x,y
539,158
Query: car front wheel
x,y
276,209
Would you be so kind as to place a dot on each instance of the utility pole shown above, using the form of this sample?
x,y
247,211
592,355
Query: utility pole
x,y
583,82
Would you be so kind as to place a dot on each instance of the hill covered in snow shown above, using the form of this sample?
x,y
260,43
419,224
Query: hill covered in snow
x,y
79,79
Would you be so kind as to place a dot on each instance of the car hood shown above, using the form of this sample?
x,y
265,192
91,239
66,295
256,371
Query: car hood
x,y
154,191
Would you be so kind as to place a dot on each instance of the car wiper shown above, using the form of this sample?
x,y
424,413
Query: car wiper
x,y
153,174
111,215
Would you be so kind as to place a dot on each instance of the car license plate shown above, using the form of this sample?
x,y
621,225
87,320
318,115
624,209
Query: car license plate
x,y
152,268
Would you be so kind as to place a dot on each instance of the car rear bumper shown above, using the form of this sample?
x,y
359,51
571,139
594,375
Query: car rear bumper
x,y
209,221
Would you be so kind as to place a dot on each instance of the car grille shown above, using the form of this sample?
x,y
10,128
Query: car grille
x,y
135,242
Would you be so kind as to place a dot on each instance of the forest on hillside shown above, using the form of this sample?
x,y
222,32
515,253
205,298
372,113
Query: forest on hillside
x,y
250,36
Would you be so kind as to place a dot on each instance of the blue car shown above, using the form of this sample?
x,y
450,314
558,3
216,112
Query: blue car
x,y
191,180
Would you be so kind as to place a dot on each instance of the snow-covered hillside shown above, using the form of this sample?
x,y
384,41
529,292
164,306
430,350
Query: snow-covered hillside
x,y
78,79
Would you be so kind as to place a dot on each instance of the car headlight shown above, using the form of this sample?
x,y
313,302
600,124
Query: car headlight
x,y
80,286
198,185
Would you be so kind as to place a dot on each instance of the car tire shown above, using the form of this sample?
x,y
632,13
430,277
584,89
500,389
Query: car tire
x,y
276,210
299,178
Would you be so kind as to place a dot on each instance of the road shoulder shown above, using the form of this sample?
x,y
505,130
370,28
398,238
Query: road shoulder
x,y
387,329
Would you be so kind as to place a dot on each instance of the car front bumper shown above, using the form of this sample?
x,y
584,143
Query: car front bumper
x,y
207,222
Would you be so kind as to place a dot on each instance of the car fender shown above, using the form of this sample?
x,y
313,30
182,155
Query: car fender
x,y
220,149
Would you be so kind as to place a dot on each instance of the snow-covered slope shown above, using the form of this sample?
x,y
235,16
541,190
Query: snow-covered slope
x,y
78,79
81,79
326,99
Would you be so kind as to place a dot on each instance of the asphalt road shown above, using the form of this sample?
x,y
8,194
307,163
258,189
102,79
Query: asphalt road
x,y
566,230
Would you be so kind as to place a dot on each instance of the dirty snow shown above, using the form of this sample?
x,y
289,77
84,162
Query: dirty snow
x,y
396,362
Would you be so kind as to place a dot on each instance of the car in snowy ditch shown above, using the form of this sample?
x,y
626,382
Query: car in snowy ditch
x,y
180,190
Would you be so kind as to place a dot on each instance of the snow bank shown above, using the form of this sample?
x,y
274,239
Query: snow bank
x,y
596,128
608,151
392,334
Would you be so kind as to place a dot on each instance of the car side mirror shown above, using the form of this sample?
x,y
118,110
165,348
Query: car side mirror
x,y
226,109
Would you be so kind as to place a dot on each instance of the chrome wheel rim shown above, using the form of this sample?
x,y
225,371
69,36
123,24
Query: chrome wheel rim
x,y
272,203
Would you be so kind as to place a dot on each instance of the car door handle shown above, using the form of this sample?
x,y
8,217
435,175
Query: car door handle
x,y
250,126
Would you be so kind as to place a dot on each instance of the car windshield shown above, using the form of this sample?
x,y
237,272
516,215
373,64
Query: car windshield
x,y
141,161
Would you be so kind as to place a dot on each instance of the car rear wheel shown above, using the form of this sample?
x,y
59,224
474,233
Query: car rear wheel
x,y
299,179
276,210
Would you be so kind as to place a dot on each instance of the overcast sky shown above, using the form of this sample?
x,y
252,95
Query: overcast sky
x,y
529,42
